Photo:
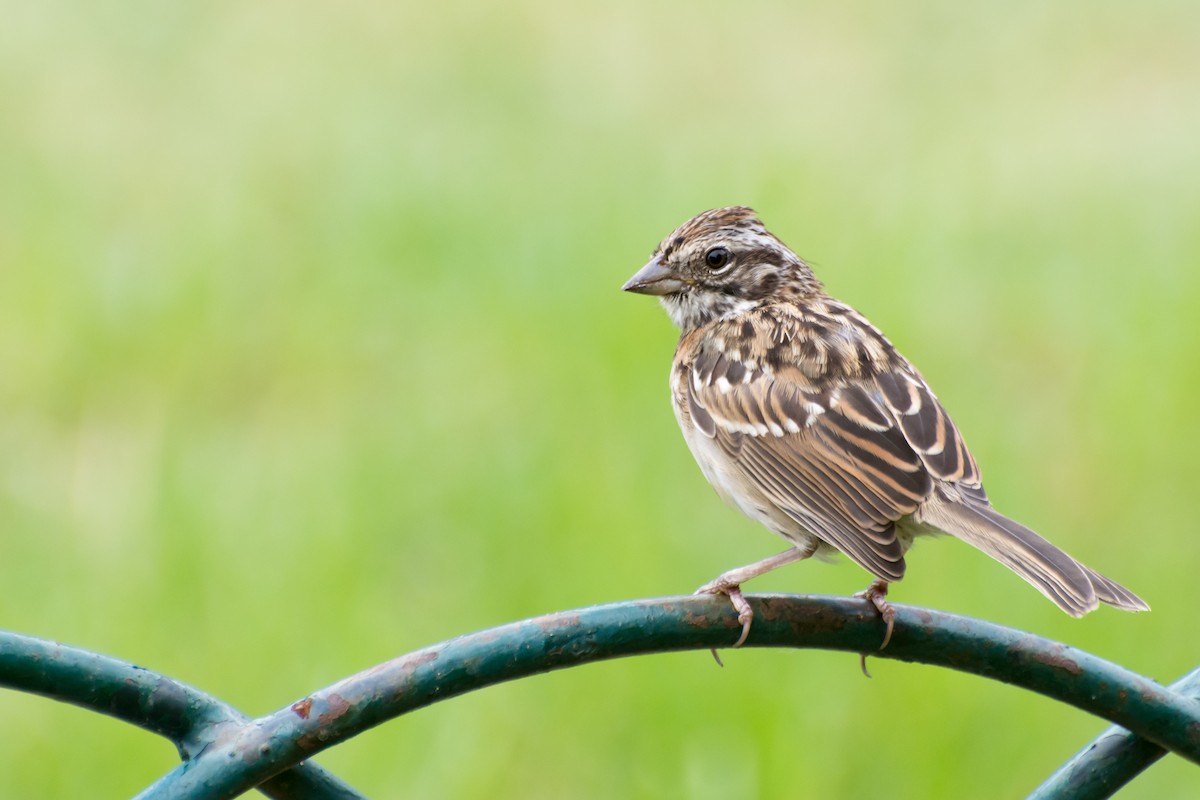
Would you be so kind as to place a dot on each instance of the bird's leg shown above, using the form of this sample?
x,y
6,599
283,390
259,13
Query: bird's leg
x,y
729,583
877,594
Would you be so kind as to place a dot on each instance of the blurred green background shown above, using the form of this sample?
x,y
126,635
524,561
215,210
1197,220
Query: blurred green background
x,y
312,352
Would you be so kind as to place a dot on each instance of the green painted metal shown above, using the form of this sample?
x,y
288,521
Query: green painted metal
x,y
255,752
1109,761
226,753
188,717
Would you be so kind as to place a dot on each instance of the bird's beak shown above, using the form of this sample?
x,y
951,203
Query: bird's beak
x,y
654,278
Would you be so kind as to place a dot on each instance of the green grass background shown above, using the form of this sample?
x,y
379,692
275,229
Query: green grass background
x,y
312,352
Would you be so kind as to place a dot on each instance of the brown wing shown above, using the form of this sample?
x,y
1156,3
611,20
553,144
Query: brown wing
x,y
845,462
928,428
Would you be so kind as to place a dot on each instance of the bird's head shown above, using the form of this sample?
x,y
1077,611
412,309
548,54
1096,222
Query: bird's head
x,y
721,263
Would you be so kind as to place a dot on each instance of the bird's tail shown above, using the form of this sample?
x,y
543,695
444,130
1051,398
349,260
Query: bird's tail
x,y
1071,586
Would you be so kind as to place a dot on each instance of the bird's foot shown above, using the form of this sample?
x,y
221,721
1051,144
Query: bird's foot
x,y
876,593
733,591
730,583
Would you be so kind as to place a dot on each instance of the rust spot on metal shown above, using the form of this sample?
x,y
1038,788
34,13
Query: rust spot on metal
x,y
553,621
407,663
701,620
314,740
1060,661
337,706
421,659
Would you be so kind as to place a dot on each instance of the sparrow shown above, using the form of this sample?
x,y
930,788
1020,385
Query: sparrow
x,y
803,416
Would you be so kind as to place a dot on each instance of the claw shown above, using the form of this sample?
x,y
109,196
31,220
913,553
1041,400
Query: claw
x,y
877,594
745,613
740,605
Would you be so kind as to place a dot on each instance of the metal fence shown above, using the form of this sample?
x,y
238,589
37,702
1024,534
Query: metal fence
x,y
225,753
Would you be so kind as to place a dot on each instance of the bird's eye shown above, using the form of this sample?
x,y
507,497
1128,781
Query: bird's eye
x,y
717,257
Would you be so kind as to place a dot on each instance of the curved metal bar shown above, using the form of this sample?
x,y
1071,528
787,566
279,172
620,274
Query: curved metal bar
x,y
188,717
1109,761
347,708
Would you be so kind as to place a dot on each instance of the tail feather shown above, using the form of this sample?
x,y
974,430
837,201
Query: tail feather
x,y
1071,586
1114,594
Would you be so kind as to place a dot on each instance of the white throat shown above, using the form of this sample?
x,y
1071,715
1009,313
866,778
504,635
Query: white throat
x,y
690,310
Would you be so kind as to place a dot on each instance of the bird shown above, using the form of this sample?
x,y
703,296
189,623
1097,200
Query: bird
x,y
803,415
